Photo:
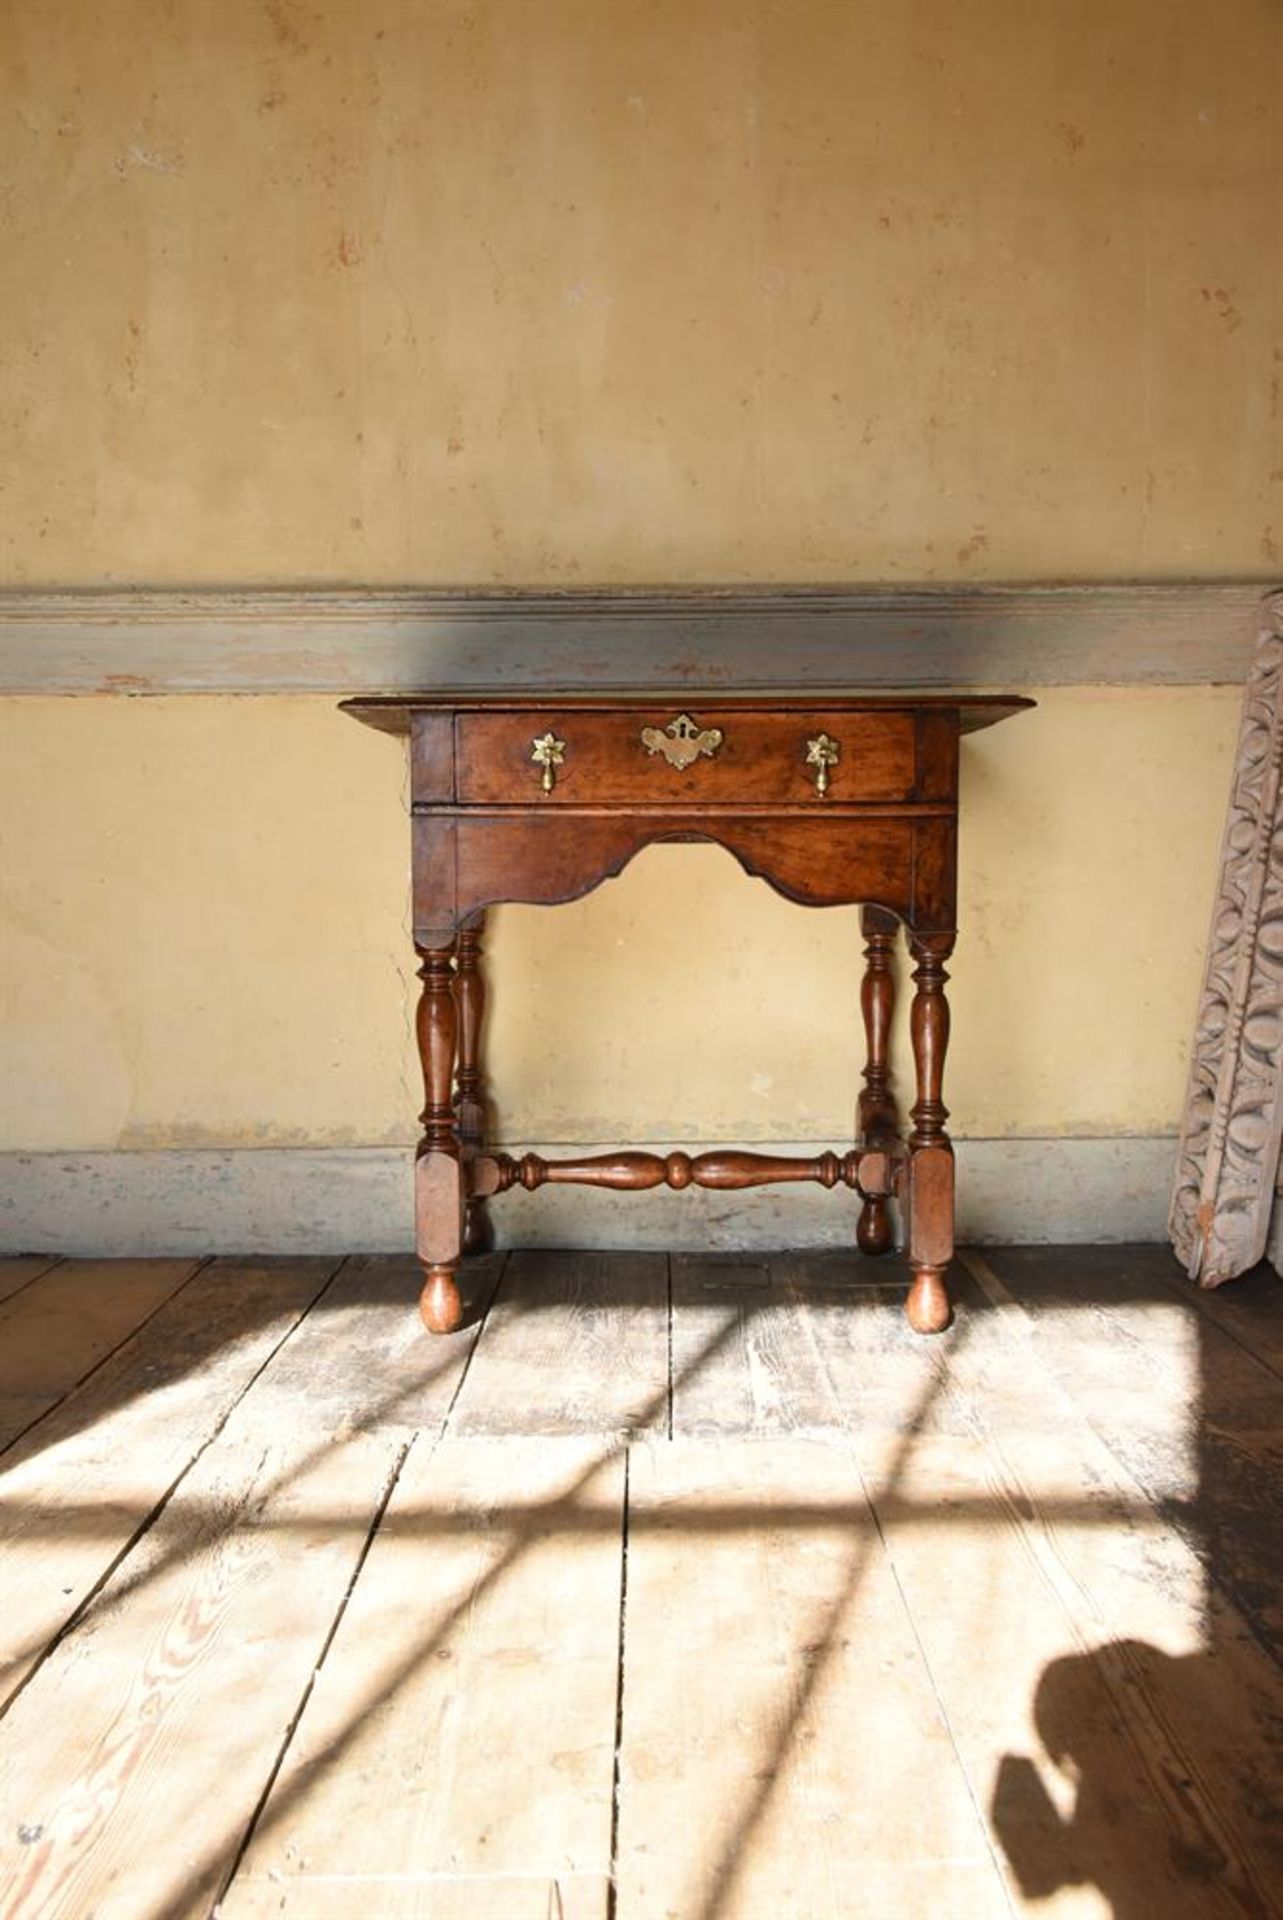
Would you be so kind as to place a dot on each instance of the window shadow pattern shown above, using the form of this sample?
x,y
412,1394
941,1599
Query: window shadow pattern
x,y
1196,1817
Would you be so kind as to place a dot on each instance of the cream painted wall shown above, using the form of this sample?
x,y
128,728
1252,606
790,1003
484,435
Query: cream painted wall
x,y
584,290
556,290
205,941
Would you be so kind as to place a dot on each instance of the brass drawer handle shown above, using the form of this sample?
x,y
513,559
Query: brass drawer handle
x,y
548,752
682,741
822,753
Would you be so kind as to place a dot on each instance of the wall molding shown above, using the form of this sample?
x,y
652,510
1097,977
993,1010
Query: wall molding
x,y
330,640
339,1200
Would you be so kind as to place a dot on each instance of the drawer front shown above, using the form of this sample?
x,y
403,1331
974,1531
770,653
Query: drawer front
x,y
698,756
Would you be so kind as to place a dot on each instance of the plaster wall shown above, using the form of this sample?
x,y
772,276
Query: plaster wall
x,y
488,291
206,941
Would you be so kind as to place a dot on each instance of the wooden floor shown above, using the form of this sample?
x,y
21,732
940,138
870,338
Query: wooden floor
x,y
690,1588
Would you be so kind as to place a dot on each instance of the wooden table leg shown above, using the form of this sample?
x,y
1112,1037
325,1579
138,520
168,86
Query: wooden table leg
x,y
930,1153
877,1118
438,1173
470,1104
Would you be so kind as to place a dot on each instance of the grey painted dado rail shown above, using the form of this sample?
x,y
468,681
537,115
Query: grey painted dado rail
x,y
378,640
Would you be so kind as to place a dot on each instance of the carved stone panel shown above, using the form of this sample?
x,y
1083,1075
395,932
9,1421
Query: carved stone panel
x,y
1228,1165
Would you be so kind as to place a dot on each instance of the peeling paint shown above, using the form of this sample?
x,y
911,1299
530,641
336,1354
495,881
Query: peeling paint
x,y
149,161
1222,304
285,28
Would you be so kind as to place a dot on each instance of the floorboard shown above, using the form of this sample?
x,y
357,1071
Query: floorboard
x,y
19,1270
1202,1699
876,1371
484,1626
697,1589
134,1759
1249,1309
574,1343
1108,1329
54,1332
782,1740
361,1362
738,1366
81,1485
1058,1698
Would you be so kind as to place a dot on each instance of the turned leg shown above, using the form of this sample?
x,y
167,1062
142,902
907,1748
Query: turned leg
x,y
470,1102
877,1116
438,1173
930,1154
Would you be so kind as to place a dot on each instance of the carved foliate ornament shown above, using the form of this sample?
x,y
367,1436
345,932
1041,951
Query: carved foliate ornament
x,y
1228,1163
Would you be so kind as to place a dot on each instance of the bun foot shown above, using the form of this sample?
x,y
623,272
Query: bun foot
x,y
873,1231
440,1307
927,1308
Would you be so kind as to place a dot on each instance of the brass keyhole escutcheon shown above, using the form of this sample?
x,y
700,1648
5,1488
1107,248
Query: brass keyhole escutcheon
x,y
822,753
548,752
682,741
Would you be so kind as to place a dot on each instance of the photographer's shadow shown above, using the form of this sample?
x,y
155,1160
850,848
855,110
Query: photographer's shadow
x,y
1141,1832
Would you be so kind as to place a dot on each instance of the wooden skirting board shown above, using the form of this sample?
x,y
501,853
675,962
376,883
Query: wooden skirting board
x,y
354,640
322,1201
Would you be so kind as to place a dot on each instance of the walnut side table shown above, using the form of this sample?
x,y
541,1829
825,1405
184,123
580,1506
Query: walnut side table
x,y
836,799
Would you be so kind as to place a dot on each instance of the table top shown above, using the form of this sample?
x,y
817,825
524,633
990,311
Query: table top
x,y
391,712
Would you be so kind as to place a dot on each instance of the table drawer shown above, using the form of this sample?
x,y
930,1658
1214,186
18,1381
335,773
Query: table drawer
x,y
701,755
